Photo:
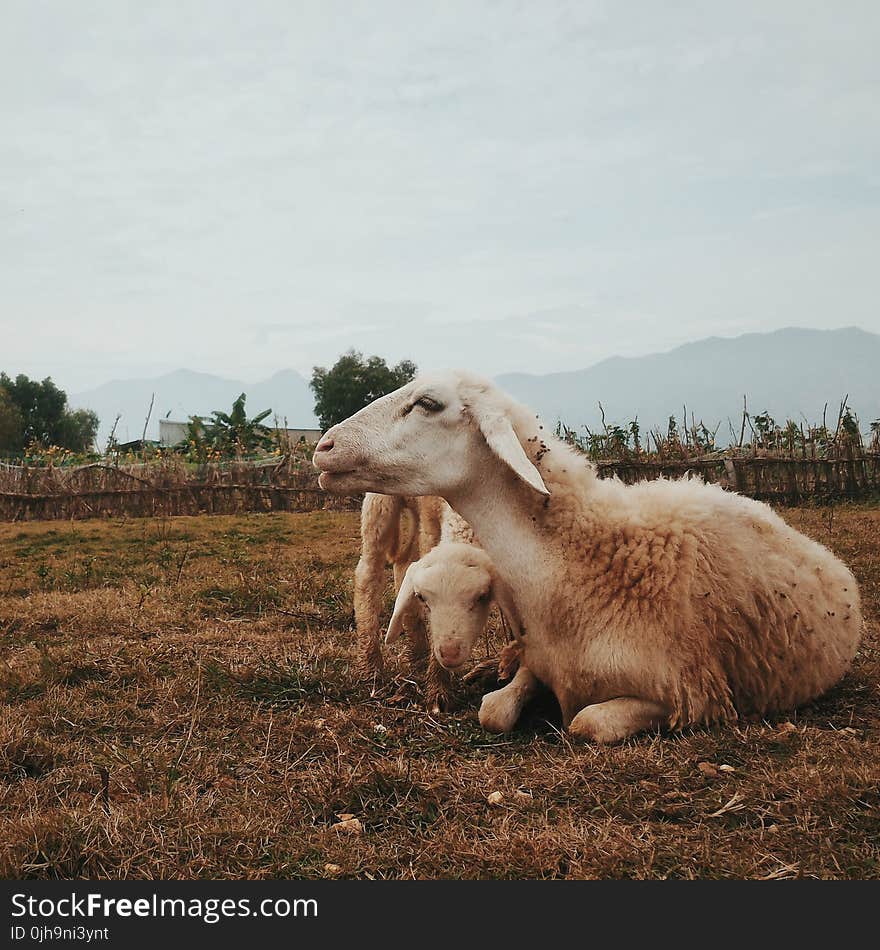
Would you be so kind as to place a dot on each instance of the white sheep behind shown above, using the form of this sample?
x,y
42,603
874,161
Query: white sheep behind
x,y
395,531
454,528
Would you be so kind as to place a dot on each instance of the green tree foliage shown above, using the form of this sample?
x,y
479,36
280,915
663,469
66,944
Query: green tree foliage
x,y
41,404
229,433
44,418
11,424
849,425
354,382
78,430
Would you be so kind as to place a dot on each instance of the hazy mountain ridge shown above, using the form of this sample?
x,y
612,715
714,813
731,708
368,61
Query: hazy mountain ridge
x,y
184,393
790,373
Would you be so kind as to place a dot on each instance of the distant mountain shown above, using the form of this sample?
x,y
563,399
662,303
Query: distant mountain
x,y
183,393
789,373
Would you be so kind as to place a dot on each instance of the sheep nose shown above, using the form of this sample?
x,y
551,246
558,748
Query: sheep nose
x,y
450,652
325,445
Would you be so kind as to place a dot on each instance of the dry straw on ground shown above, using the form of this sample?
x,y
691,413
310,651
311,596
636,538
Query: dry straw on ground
x,y
179,700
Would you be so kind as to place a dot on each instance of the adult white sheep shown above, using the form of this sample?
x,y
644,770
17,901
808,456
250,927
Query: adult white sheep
x,y
663,603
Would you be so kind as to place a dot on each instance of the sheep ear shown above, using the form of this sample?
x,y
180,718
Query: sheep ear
x,y
406,598
502,440
504,598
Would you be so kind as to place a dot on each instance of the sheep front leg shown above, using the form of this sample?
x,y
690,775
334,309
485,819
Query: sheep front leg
x,y
617,719
417,645
438,686
422,662
500,710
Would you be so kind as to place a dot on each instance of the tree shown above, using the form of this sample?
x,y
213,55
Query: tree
x,y
42,406
234,429
78,430
11,424
353,383
229,432
45,418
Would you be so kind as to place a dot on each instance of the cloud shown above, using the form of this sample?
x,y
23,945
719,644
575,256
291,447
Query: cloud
x,y
178,182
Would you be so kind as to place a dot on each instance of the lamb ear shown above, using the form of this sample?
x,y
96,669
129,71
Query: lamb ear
x,y
504,598
406,599
502,440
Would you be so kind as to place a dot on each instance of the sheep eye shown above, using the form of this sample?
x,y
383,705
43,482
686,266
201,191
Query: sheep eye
x,y
429,404
420,597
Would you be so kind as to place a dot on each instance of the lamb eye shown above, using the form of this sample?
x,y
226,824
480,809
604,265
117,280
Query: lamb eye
x,y
420,597
429,404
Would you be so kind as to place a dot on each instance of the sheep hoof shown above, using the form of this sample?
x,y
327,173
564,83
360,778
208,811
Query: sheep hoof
x,y
438,704
498,713
587,725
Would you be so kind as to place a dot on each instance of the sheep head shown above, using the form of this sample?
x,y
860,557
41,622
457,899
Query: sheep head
x,y
430,437
455,585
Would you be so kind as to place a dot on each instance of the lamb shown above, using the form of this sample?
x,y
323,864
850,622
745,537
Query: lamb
x,y
662,604
454,586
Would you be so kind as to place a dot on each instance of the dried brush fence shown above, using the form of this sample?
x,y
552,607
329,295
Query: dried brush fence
x,y
787,464
851,473
164,488
172,487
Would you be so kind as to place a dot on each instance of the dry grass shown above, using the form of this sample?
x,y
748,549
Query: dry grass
x,y
179,701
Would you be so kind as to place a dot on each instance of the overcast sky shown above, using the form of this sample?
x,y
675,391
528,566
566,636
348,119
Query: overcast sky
x,y
242,187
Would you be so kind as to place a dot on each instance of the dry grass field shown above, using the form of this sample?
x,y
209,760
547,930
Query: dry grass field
x,y
179,700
